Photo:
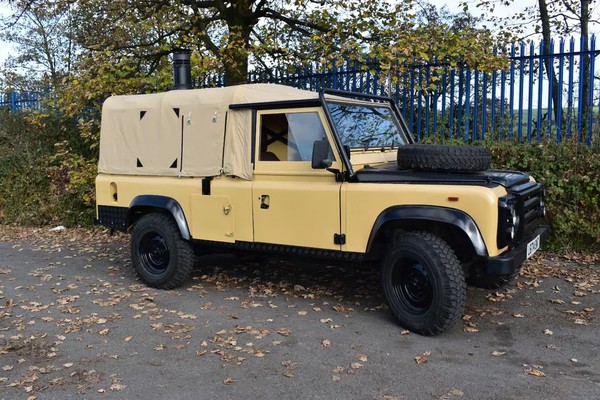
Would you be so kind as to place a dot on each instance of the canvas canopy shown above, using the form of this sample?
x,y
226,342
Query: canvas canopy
x,y
184,132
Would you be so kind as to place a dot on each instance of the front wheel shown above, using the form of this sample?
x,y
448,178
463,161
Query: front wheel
x,y
161,257
423,283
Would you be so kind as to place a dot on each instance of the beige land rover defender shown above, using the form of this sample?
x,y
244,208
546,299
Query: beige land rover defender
x,y
331,175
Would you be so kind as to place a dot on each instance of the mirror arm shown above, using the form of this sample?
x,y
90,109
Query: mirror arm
x,y
339,176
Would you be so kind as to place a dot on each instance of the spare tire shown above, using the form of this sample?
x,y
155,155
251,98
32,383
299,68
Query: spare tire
x,y
430,157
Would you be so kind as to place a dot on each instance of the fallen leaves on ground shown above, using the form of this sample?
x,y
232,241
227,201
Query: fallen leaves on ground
x,y
422,359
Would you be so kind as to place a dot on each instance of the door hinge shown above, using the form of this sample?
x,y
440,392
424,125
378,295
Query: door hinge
x,y
339,238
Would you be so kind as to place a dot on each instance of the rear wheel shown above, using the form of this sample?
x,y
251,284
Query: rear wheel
x,y
161,257
423,283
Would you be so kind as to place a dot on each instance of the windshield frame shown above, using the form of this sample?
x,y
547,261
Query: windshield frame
x,y
366,100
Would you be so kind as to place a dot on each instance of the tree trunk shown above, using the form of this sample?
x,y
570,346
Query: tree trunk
x,y
236,72
546,35
583,97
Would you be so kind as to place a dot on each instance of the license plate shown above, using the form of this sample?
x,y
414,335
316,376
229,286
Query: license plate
x,y
533,246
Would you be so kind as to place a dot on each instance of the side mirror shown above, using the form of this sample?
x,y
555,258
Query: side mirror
x,y
321,155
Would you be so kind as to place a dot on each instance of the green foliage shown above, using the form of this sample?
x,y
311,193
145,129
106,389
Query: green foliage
x,y
571,175
570,171
37,186
47,176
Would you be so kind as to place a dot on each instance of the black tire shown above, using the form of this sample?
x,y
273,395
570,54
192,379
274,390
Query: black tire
x,y
481,280
161,257
426,157
423,283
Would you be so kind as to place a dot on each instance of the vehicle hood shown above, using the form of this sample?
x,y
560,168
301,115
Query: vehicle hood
x,y
391,173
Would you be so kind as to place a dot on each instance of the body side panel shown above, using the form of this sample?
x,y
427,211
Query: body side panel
x,y
364,202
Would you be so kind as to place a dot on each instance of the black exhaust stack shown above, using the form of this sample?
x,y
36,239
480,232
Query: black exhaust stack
x,y
182,71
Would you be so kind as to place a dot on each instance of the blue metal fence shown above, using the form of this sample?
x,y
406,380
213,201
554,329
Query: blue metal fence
x,y
519,103
19,101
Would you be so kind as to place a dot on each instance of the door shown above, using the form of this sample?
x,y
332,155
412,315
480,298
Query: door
x,y
294,204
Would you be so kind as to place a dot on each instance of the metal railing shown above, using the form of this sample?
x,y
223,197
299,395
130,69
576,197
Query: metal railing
x,y
520,103
523,102
19,101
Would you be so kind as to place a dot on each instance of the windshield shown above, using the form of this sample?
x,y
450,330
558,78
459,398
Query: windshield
x,y
366,125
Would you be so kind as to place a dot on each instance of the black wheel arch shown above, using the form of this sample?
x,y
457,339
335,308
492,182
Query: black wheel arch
x,y
145,204
456,227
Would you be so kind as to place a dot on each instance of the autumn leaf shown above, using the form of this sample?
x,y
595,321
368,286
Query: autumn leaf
x,y
228,380
534,372
283,332
326,343
117,387
288,374
423,358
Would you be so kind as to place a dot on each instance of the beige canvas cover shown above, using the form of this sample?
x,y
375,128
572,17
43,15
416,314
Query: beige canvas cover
x,y
184,132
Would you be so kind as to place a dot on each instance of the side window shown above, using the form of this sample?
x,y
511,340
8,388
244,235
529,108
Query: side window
x,y
289,136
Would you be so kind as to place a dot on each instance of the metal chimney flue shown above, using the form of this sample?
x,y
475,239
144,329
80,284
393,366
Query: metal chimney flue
x,y
182,71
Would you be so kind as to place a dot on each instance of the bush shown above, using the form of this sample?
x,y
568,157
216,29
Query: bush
x,y
571,175
40,182
47,173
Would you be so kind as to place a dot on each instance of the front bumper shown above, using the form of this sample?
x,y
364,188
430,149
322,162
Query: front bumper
x,y
511,260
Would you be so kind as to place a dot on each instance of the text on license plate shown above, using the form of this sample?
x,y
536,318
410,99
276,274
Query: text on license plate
x,y
533,246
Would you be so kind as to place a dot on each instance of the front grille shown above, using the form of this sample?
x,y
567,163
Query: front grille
x,y
530,204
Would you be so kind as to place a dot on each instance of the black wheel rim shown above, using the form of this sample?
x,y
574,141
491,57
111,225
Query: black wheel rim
x,y
154,253
412,285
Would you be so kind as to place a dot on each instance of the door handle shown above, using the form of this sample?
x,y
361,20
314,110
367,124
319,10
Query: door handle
x,y
264,201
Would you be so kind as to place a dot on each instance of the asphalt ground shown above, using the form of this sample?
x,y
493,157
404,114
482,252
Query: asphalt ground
x,y
76,323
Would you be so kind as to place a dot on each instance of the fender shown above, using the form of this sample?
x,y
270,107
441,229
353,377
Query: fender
x,y
165,203
451,216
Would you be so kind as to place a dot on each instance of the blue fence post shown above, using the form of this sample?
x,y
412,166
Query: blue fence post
x,y
493,105
427,99
530,97
550,74
570,88
412,98
511,100
484,106
540,103
13,101
580,94
475,135
459,119
559,118
466,134
420,105
444,83
521,90
590,99
502,97
451,109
